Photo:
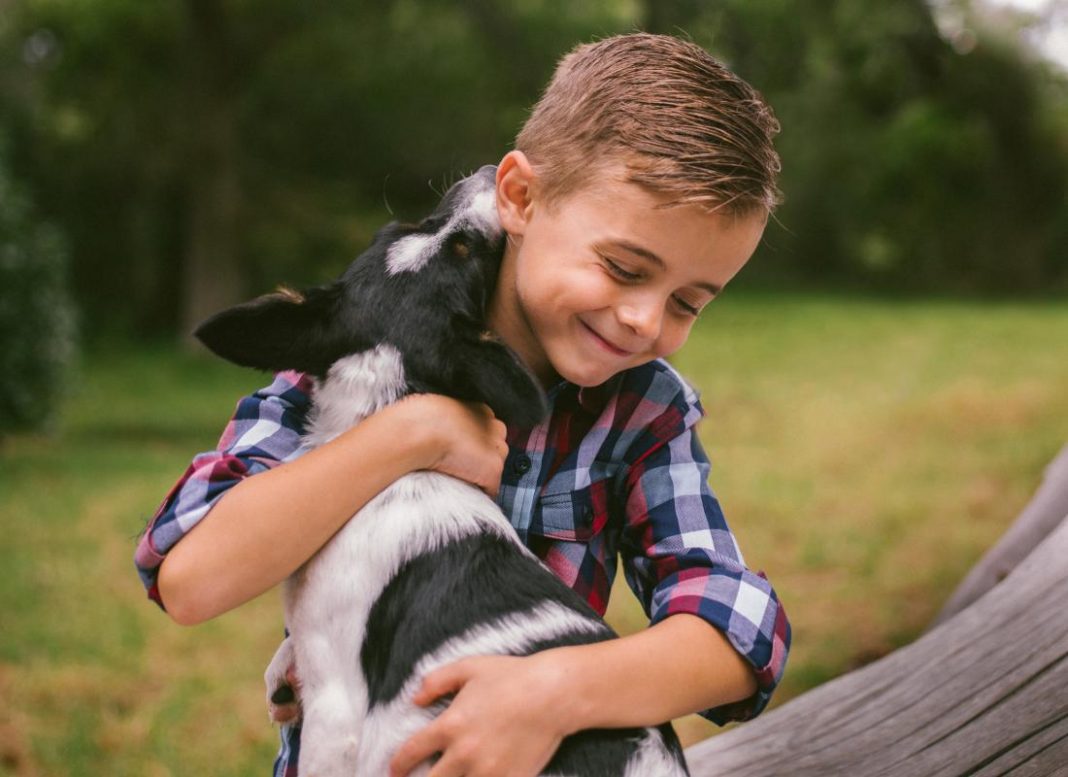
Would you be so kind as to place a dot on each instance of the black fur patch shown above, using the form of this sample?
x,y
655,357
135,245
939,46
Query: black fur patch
x,y
473,582
442,594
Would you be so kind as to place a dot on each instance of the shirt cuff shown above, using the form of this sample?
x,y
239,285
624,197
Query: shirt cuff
x,y
265,431
209,477
742,605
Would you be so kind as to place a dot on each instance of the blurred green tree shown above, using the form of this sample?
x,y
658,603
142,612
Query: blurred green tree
x,y
36,315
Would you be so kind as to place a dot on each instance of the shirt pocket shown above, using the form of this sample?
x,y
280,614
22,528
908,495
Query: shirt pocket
x,y
574,515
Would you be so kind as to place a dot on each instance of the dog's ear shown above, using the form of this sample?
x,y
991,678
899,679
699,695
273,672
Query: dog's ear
x,y
286,330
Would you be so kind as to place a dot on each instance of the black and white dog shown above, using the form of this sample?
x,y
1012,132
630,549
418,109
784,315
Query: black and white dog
x,y
430,571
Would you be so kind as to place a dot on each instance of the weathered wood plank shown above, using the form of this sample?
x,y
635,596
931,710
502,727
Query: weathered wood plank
x,y
984,693
1043,752
1041,516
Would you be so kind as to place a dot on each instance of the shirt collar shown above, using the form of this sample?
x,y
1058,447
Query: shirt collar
x,y
589,399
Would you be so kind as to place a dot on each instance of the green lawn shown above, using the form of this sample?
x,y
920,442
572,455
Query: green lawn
x,y
866,453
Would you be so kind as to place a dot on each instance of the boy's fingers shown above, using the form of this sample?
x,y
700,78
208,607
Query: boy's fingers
x,y
447,767
448,679
421,746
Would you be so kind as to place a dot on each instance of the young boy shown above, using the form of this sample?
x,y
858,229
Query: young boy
x,y
639,187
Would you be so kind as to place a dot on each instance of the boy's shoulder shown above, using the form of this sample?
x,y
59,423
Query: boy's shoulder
x,y
659,381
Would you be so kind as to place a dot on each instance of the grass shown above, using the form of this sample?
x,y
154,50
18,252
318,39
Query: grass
x,y
866,453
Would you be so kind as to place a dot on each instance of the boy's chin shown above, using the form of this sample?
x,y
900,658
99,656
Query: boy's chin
x,y
587,375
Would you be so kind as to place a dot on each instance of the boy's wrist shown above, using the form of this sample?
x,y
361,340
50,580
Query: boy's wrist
x,y
422,436
562,688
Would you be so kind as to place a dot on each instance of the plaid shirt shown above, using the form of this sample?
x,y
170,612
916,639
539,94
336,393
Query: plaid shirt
x,y
615,470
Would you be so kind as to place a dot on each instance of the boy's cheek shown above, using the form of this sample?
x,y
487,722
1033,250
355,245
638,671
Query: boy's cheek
x,y
673,340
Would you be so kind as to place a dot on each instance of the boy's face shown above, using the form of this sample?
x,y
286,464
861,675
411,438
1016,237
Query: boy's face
x,y
603,280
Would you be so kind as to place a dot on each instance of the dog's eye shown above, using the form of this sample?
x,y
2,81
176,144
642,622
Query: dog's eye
x,y
459,247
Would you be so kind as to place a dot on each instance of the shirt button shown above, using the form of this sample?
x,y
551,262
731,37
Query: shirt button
x,y
521,465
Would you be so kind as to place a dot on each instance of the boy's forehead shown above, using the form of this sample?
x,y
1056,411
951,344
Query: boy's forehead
x,y
607,182
618,209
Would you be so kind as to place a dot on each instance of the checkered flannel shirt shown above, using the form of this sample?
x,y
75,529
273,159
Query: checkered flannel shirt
x,y
615,469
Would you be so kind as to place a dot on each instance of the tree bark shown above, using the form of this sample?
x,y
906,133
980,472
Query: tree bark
x,y
212,276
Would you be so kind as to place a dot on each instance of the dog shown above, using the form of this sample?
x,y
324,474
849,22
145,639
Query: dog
x,y
397,592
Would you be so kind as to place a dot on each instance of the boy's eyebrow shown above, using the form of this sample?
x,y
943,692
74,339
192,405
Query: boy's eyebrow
x,y
645,253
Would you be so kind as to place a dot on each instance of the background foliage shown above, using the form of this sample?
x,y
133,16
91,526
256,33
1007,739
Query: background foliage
x,y
169,158
36,313
197,152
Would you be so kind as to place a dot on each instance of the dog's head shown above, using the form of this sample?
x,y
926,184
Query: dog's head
x,y
422,288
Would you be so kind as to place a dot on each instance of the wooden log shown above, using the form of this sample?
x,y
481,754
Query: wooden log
x,y
985,693
1041,516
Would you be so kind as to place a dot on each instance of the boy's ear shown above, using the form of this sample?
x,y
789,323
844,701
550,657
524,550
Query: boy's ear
x,y
286,330
515,192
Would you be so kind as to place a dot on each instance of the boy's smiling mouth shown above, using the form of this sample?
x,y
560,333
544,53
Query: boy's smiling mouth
x,y
605,344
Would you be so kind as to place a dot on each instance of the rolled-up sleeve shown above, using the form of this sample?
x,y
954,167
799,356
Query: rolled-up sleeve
x,y
265,431
681,557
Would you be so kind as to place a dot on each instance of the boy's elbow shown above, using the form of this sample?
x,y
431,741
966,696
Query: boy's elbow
x,y
185,615
178,594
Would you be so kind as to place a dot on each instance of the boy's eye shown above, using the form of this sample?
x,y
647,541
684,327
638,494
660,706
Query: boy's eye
x,y
620,272
686,307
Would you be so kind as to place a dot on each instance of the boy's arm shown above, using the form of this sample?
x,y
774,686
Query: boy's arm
x,y
671,669
265,527
681,558
510,714
240,535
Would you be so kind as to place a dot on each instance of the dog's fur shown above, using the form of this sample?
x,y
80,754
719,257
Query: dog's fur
x,y
429,571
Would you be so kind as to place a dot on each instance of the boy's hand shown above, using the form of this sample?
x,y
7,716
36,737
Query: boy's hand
x,y
506,719
462,439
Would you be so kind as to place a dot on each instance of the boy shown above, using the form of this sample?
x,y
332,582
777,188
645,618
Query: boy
x,y
639,187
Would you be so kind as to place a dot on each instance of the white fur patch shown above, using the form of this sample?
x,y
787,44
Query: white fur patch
x,y
477,209
355,387
482,212
653,758
411,253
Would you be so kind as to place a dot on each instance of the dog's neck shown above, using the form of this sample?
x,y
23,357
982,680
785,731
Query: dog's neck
x,y
355,387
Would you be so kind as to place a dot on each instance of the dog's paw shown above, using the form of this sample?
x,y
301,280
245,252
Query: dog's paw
x,y
283,686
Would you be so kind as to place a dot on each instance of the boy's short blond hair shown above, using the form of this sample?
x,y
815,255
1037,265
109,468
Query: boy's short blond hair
x,y
683,125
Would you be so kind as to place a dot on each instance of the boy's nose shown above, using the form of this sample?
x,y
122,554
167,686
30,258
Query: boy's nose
x,y
643,318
